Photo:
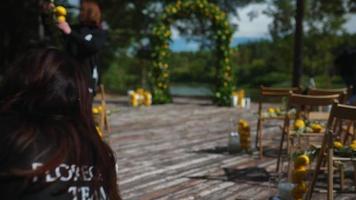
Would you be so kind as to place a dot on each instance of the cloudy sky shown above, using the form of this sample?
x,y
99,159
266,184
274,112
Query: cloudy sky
x,y
258,27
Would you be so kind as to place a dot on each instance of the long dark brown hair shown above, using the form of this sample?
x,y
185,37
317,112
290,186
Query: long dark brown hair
x,y
48,93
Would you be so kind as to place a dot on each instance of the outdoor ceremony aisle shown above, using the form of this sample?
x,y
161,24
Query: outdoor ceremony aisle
x,y
179,151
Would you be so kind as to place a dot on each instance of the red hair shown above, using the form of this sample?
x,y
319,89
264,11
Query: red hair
x,y
90,13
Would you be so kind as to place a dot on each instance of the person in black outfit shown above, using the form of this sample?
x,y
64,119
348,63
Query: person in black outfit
x,y
345,63
85,40
49,146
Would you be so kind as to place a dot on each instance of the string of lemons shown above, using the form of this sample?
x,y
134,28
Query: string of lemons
x,y
299,176
245,134
61,13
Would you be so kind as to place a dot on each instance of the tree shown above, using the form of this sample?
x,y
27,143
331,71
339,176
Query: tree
x,y
298,44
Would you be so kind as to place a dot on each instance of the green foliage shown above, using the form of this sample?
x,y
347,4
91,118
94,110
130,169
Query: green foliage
x,y
159,74
122,75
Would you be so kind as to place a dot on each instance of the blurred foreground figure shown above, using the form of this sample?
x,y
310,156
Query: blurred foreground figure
x,y
49,146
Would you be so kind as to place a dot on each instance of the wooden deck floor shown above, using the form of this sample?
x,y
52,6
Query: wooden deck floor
x,y
178,151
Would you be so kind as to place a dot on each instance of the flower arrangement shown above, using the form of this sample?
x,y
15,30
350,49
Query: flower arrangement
x,y
140,97
239,99
159,73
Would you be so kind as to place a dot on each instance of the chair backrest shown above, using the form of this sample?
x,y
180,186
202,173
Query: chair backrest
x,y
339,114
275,94
343,112
278,92
342,92
311,100
306,103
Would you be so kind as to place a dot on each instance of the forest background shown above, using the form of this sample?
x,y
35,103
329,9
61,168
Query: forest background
x,y
269,61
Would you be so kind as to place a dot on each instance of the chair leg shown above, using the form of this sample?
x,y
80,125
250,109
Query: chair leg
x,y
319,161
290,150
280,152
354,164
257,133
330,174
260,139
342,177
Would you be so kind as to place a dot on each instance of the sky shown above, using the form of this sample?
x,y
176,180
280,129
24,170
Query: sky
x,y
247,29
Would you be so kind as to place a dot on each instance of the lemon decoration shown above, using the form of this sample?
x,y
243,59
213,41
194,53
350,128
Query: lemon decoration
x,y
353,146
95,111
271,110
245,134
299,124
316,128
299,174
61,19
60,11
302,160
243,124
140,97
299,190
338,145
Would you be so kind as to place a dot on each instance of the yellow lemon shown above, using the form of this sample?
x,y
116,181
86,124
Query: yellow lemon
x,y
140,91
299,175
316,128
95,111
338,145
61,19
60,11
353,141
271,110
353,146
299,190
299,124
301,161
243,124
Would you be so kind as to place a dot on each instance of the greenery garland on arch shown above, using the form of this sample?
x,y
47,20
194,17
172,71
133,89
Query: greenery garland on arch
x,y
159,74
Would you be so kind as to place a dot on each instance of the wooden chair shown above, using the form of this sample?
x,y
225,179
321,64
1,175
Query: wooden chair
x,y
304,106
339,113
269,93
344,94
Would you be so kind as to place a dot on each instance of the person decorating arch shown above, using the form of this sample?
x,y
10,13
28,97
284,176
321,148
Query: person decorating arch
x,y
85,40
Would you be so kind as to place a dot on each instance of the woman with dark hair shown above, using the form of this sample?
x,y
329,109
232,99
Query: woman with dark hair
x,y
49,146
85,40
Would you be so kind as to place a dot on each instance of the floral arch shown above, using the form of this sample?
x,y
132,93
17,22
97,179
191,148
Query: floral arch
x,y
159,74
